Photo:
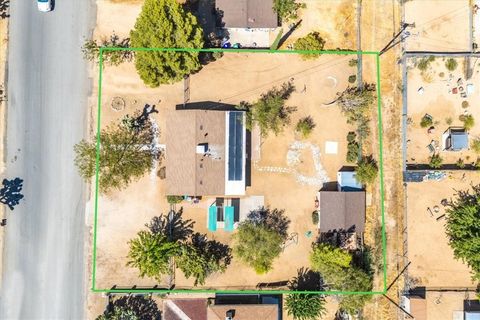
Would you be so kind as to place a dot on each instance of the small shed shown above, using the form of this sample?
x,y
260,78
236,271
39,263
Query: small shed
x,y
455,139
347,181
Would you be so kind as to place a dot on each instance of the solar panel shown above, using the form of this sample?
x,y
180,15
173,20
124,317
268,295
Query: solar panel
x,y
235,145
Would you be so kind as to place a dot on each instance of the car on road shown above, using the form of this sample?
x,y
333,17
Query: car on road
x,y
44,5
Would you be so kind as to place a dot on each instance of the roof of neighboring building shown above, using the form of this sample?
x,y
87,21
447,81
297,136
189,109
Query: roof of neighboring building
x,y
243,311
247,13
418,308
188,172
459,140
177,309
347,181
342,210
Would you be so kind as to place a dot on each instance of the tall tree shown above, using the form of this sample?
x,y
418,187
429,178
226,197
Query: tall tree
x,y
165,24
311,42
131,308
150,253
127,151
463,228
287,9
201,257
260,237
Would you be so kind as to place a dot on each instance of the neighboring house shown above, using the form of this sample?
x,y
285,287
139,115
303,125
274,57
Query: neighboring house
x,y
455,139
234,307
247,22
341,211
205,153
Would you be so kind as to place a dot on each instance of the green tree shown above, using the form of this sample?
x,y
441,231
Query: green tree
x,y
305,126
126,152
427,121
357,280
366,171
311,42
451,64
353,148
151,253
475,145
201,257
165,24
270,112
303,306
463,228
287,9
435,161
259,238
118,313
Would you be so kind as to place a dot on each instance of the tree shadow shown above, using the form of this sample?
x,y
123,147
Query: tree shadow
x,y
221,252
4,6
172,226
10,192
273,219
143,307
306,280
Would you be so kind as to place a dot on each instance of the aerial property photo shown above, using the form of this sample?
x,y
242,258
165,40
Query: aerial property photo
x,y
241,169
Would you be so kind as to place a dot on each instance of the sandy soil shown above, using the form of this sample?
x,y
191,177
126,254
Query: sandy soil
x,y
438,101
440,25
433,264
122,215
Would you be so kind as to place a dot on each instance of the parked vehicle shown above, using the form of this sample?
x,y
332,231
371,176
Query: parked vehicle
x,y
44,5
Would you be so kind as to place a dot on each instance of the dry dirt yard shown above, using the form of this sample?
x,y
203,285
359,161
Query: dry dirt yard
x,y
233,78
433,264
431,92
440,25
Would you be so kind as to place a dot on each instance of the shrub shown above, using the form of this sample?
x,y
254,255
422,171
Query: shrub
x,y
441,74
366,170
305,126
353,151
315,217
352,62
174,199
451,64
423,64
312,41
303,306
449,121
352,78
426,121
435,161
468,121
351,136
475,145
465,104
460,163
287,9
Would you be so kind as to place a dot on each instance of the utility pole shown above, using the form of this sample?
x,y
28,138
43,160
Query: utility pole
x,y
392,43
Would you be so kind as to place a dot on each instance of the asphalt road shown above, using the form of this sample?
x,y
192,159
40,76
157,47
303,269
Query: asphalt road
x,y
48,86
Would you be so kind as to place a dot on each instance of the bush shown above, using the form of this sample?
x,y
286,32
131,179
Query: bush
x,y
352,78
475,145
468,121
315,217
353,151
287,9
435,161
465,104
303,306
451,64
449,121
312,41
351,137
366,170
174,199
460,163
353,63
305,126
91,50
426,121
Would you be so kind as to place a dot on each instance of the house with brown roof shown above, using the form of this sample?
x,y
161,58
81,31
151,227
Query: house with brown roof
x,y
342,211
247,22
205,152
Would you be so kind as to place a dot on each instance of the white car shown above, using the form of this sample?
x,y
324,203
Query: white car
x,y
44,5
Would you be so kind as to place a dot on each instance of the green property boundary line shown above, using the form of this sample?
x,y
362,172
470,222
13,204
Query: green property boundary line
x,y
163,291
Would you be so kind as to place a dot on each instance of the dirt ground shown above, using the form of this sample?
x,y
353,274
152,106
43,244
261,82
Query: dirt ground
x,y
320,79
433,264
440,25
436,99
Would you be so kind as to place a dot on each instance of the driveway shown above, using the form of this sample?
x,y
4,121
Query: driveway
x,y
48,86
